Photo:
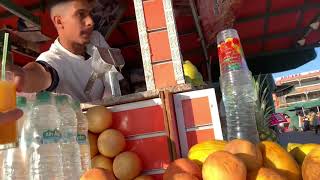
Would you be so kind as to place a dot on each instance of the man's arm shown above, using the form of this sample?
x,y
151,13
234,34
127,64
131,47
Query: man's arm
x,y
33,77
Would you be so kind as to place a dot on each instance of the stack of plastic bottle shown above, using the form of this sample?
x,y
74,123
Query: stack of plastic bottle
x,y
82,137
53,142
14,160
237,88
69,147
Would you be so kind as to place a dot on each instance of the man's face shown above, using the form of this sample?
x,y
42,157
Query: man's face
x,y
77,23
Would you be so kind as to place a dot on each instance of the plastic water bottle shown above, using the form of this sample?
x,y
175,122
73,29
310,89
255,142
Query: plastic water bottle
x,y
14,165
1,163
24,123
69,146
44,153
22,104
237,88
82,137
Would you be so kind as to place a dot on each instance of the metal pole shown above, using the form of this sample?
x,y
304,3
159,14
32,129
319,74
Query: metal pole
x,y
216,7
202,40
20,12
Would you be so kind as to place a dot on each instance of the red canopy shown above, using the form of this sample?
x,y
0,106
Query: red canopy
x,y
265,26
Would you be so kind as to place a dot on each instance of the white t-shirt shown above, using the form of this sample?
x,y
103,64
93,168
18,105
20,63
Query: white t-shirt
x,y
74,71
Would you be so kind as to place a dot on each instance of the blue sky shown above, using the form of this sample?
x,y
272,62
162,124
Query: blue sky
x,y
310,66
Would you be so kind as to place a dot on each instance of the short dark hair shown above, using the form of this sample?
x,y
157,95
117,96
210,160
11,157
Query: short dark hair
x,y
53,3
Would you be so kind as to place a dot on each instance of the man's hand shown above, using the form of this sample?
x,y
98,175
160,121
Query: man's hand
x,y
19,76
10,116
31,78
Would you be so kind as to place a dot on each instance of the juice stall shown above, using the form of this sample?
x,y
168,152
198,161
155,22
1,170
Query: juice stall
x,y
163,111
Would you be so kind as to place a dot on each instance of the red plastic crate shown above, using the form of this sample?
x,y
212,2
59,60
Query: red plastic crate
x,y
197,118
142,123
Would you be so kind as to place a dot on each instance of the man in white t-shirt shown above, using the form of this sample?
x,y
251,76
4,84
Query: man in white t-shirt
x,y
66,66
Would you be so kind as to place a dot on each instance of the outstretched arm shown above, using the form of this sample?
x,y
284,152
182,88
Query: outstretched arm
x,y
33,77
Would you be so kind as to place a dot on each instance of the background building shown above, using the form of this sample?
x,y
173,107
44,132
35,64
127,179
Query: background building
x,y
306,87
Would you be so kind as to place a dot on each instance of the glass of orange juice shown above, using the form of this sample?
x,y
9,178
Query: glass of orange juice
x,y
8,130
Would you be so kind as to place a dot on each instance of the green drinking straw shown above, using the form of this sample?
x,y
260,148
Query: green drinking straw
x,y
4,56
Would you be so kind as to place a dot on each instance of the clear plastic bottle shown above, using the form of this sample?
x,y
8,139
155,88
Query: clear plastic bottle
x,y
1,163
24,124
82,137
237,88
44,153
69,146
14,165
22,104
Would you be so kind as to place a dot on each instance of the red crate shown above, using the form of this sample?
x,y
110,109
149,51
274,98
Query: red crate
x,y
190,117
197,118
143,125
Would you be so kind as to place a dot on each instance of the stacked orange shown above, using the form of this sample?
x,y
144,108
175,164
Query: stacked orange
x,y
108,156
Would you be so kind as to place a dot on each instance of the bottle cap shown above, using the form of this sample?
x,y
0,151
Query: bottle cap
x,y
43,97
21,101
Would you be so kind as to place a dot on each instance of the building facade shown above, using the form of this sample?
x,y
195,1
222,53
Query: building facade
x,y
306,87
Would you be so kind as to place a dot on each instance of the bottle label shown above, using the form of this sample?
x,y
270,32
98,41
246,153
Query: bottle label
x,y
51,136
81,139
68,136
230,54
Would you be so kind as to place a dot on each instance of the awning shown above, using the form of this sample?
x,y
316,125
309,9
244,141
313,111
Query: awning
x,y
311,104
299,106
275,36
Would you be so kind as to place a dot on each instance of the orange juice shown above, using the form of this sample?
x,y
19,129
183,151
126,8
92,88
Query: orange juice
x,y
8,131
